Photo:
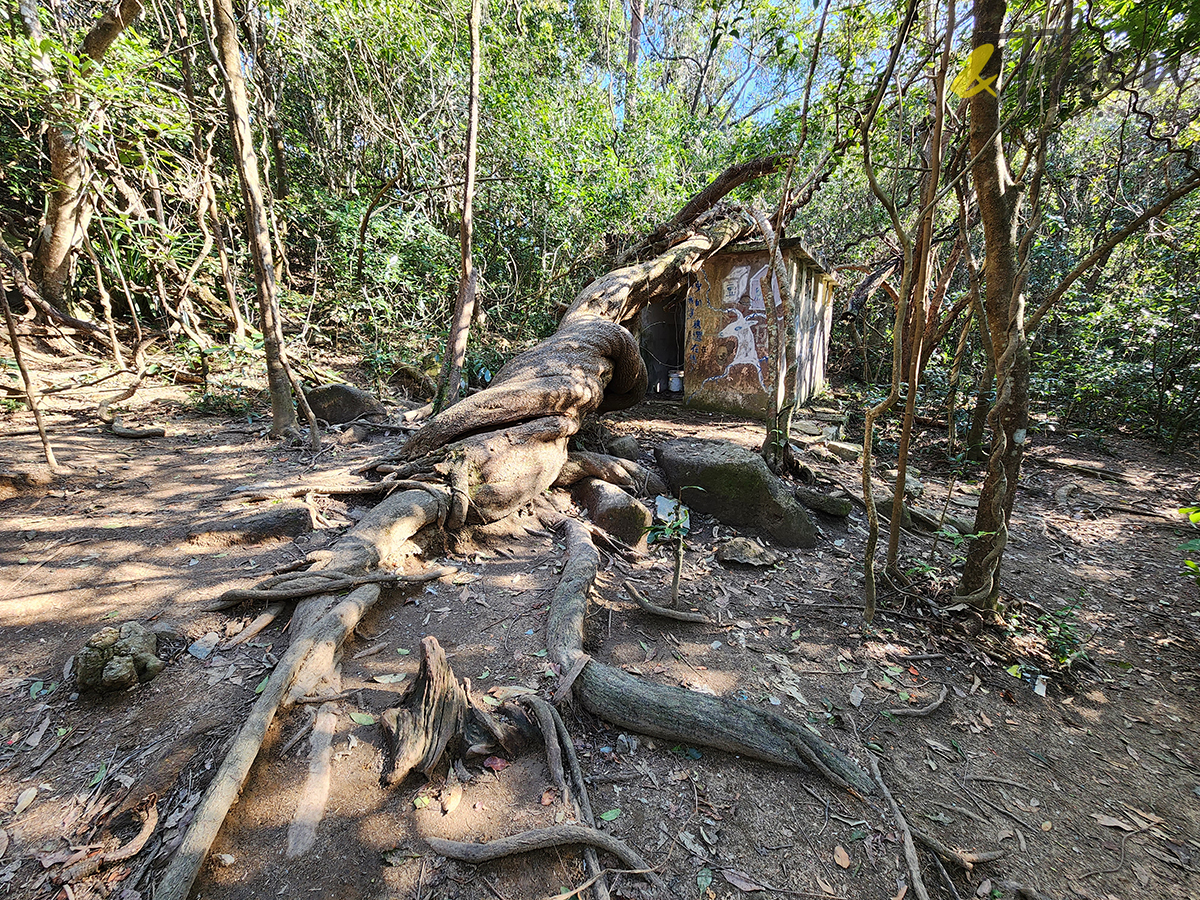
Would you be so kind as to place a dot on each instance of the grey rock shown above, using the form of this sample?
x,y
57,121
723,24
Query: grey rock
x,y
744,552
338,404
826,503
625,446
119,673
724,480
203,648
355,434
843,450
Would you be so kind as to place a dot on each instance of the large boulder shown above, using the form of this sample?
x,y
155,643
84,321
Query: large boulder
x,y
338,404
737,488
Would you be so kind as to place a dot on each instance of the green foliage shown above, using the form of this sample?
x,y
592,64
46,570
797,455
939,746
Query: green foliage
x,y
228,402
1190,567
1059,631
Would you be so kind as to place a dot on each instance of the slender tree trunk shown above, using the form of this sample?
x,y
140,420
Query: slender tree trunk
x,y
637,9
31,392
921,259
283,413
69,207
464,307
1004,306
782,331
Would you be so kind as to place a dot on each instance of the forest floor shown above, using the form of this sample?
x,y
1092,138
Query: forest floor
x,y
1092,790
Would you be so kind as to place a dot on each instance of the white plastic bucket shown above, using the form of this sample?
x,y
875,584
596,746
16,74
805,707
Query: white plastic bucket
x,y
675,380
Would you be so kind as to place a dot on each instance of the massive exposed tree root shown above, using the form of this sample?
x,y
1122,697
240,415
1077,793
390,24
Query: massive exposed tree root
x,y
319,627
503,446
491,454
670,712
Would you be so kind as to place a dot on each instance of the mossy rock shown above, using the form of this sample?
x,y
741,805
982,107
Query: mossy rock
x,y
721,479
116,659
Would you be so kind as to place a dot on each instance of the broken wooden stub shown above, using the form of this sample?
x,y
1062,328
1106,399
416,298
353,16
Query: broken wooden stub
x,y
430,718
436,716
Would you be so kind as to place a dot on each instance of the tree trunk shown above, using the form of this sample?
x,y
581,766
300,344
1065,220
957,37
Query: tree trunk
x,y
448,390
922,260
69,207
283,413
777,443
637,9
1004,307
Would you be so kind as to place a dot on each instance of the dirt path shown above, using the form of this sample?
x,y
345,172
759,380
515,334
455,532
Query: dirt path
x,y
1093,790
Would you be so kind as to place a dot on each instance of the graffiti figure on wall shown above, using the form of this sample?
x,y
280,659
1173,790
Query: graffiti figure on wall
x,y
741,329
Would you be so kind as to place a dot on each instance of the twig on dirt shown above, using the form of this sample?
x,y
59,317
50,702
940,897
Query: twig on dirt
x,y
917,657
571,893
1120,862
371,651
491,887
992,779
954,894
960,858
265,618
542,839
677,614
297,738
1000,809
54,748
910,850
963,811
922,710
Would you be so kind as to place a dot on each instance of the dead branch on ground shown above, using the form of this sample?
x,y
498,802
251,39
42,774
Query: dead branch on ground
x,y
669,712
542,839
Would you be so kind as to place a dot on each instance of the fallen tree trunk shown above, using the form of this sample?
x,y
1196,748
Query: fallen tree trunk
x,y
671,712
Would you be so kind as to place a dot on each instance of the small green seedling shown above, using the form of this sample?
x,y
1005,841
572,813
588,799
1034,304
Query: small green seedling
x,y
672,523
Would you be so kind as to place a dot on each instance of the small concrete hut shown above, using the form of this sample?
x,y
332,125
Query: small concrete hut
x,y
715,341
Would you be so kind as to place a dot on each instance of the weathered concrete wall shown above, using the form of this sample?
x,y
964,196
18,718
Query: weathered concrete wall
x,y
727,345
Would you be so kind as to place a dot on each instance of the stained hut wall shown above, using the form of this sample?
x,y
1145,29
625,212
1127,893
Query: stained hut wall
x,y
727,341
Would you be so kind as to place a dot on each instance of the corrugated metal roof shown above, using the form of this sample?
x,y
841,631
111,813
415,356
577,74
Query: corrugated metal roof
x,y
795,246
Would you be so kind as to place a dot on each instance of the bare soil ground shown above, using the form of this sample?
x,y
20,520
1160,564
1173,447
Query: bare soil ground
x,y
1092,790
